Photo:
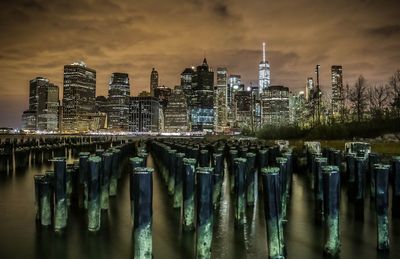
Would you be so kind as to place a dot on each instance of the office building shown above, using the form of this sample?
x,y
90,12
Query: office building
x,y
264,74
221,99
144,114
176,112
337,90
274,103
79,97
118,102
153,81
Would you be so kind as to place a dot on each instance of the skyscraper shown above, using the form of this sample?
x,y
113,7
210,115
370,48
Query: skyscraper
x,y
233,86
153,81
79,97
337,89
118,101
275,105
221,98
309,89
43,106
202,101
143,114
264,78
176,114
47,113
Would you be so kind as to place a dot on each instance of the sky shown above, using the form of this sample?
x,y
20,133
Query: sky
x,y
40,36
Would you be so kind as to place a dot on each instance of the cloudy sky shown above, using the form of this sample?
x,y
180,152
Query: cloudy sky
x,y
38,37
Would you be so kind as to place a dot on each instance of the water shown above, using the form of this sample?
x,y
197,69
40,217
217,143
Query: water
x,y
21,237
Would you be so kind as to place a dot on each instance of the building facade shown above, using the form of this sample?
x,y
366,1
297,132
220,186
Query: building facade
x,y
79,97
144,114
43,112
337,90
275,105
176,112
202,101
153,81
221,99
243,109
118,102
264,73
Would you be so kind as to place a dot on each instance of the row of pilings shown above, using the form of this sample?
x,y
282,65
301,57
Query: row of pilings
x,y
86,184
17,154
365,175
193,172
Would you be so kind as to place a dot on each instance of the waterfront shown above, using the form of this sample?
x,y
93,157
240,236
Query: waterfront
x,y
21,237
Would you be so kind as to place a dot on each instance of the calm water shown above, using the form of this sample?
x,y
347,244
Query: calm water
x,y
21,237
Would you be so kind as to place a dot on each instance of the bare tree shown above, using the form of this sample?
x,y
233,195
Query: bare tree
x,y
358,98
378,100
394,84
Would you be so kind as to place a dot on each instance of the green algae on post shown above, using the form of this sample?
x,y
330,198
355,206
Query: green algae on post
x,y
94,194
331,181
188,193
381,173
272,208
142,181
204,231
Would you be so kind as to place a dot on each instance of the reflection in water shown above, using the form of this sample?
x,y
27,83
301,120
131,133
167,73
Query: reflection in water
x,y
21,237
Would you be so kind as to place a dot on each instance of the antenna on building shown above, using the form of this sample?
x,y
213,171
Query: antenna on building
x,y
263,52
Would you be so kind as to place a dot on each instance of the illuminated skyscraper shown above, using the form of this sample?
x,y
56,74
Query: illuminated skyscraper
x,y
79,97
264,77
118,101
176,113
221,98
43,106
234,85
144,114
275,105
153,81
309,88
202,100
337,89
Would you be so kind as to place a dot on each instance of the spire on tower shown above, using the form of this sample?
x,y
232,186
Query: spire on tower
x,y
263,52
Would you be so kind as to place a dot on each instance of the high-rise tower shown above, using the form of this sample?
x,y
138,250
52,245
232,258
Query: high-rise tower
x,y
118,100
79,97
337,89
264,77
153,81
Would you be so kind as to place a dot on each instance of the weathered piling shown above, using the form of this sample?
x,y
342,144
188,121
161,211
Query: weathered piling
x,y
188,179
239,191
45,199
359,187
204,160
37,179
60,180
142,182
136,162
283,175
144,156
94,207
396,187
331,179
250,178
233,154
83,172
381,173
217,176
351,176
178,181
373,159
172,171
105,180
272,210
318,189
204,231
114,172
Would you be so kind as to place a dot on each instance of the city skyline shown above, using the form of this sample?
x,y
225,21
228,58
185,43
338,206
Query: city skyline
x,y
42,38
